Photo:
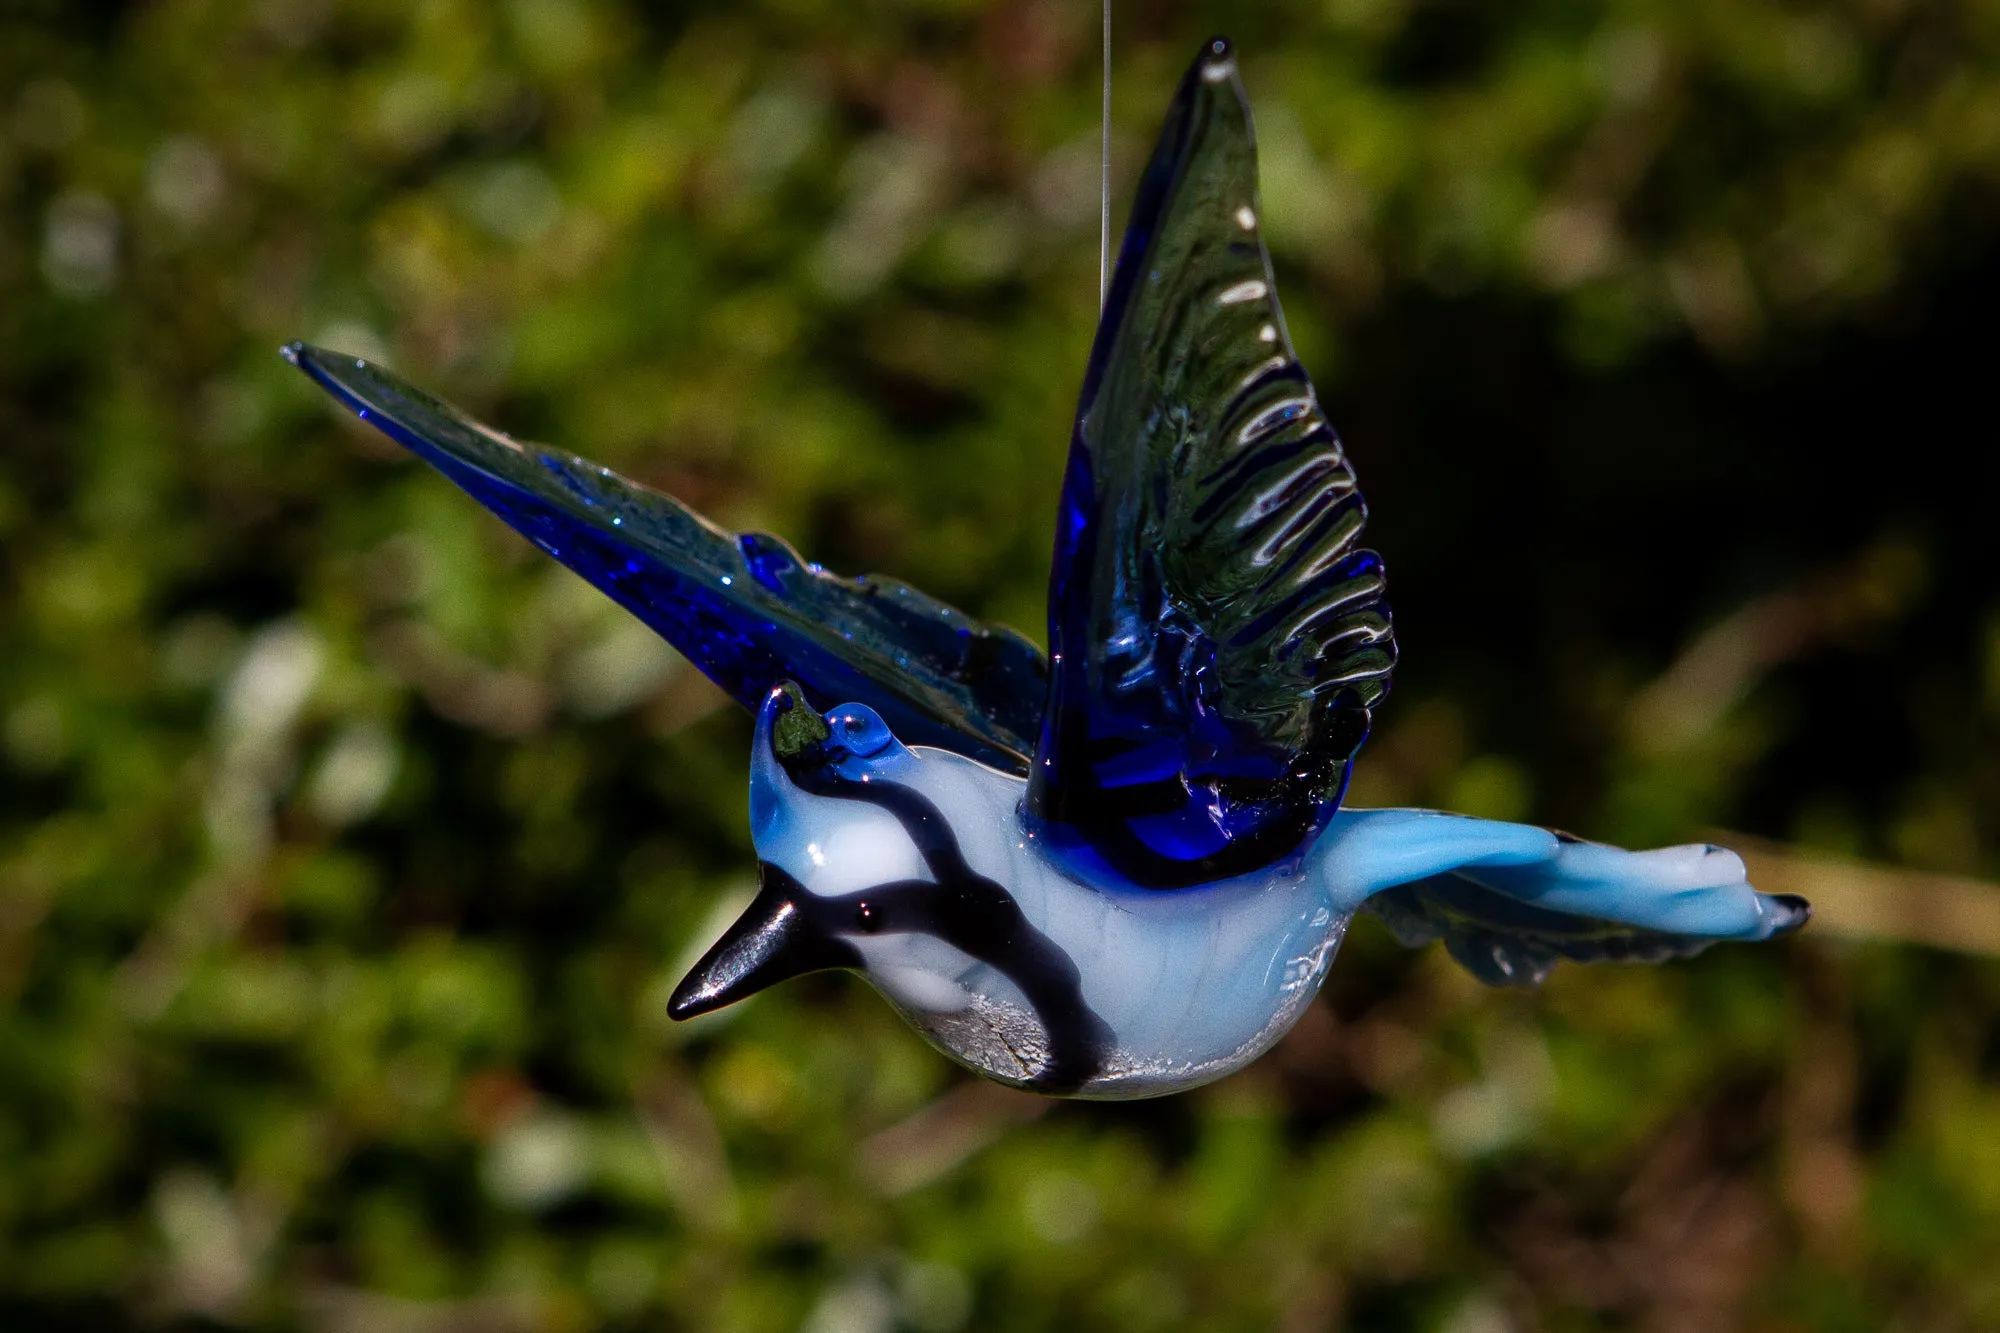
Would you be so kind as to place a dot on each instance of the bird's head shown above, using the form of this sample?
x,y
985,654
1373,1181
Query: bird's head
x,y
840,871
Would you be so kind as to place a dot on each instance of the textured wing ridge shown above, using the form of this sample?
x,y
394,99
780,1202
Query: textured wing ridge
x,y
1218,635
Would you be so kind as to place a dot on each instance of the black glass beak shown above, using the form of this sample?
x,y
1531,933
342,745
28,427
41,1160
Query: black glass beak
x,y
777,937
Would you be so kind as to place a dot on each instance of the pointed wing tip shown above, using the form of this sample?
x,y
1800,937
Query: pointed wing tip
x,y
429,427
400,410
315,361
320,366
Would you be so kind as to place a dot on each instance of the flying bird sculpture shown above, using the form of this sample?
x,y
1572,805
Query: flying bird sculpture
x,y
1123,868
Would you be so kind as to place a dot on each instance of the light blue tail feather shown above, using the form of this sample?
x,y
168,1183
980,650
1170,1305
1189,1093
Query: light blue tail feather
x,y
1510,900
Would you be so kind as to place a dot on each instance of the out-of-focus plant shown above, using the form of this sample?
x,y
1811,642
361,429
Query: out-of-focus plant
x,y
348,850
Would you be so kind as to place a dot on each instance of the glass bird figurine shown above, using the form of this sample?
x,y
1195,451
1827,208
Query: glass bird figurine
x,y
1122,869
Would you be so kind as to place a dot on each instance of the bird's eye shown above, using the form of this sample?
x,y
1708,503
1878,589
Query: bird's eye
x,y
861,731
867,917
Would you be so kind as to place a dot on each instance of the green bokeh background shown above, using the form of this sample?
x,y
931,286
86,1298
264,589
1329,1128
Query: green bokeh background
x,y
349,848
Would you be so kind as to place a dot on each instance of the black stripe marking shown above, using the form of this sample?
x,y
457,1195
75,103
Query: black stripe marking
x,y
972,914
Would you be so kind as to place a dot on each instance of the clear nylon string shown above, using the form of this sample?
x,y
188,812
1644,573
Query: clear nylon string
x,y
1104,175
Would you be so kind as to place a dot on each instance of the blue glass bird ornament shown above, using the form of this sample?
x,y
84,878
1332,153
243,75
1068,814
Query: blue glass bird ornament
x,y
1123,869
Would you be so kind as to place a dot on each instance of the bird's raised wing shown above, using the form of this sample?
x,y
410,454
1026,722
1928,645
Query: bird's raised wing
x,y
744,608
1218,637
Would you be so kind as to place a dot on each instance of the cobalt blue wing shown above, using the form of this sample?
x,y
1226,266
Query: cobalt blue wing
x,y
744,608
1218,635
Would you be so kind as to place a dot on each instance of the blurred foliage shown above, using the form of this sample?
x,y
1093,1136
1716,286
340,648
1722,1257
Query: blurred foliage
x,y
349,849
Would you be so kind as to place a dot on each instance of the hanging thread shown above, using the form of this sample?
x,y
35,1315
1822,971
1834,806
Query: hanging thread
x,y
1104,175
